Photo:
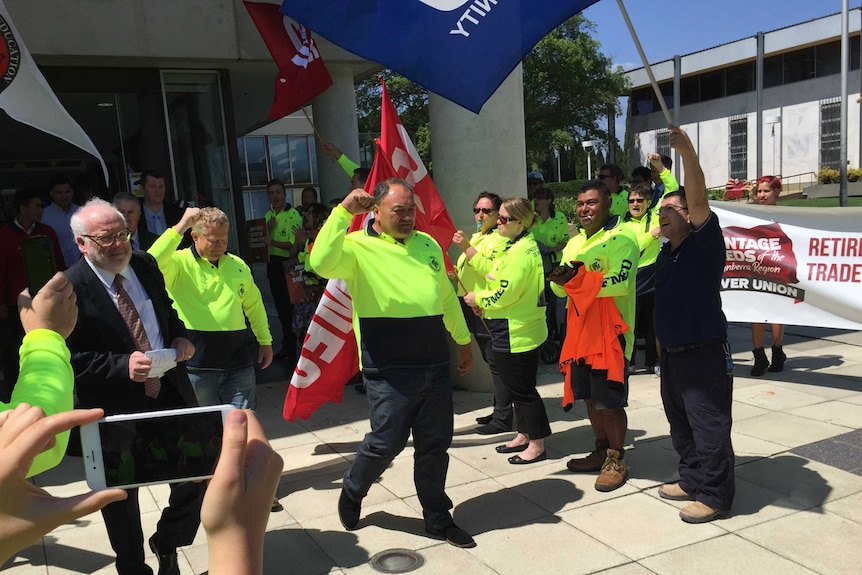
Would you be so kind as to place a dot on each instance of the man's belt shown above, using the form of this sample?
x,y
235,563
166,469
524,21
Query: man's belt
x,y
691,346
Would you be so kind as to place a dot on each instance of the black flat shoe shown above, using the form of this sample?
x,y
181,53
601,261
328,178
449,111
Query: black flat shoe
x,y
453,535
516,459
493,428
485,419
506,449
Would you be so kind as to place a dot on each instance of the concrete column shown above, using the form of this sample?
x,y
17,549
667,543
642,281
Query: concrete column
x,y
335,120
473,153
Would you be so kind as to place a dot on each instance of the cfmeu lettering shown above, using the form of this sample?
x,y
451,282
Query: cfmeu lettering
x,y
480,8
327,334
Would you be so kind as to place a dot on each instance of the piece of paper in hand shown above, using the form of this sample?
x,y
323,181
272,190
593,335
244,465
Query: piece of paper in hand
x,y
163,361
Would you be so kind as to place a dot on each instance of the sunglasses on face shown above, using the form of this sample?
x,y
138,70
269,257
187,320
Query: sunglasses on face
x,y
636,201
505,220
485,211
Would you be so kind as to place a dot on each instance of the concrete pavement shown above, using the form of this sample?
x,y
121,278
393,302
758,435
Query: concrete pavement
x,y
798,509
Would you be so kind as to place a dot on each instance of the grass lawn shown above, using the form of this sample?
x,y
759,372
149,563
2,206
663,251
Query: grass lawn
x,y
854,201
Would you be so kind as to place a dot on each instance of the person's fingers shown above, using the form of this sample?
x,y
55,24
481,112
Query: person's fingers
x,y
255,429
86,503
38,433
231,463
23,417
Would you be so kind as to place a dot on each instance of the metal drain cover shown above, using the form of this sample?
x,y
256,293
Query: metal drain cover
x,y
397,561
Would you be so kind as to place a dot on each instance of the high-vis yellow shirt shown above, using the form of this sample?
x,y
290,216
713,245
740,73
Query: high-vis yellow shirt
x,y
403,302
472,272
212,300
285,220
642,231
614,251
513,302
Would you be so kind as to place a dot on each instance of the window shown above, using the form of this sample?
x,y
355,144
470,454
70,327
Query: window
x,y
738,147
739,79
711,85
689,90
799,65
662,142
828,59
830,137
773,72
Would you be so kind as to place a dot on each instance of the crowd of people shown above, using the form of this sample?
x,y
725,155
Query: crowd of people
x,y
642,262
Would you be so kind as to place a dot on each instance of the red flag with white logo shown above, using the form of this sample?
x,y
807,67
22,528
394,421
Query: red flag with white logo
x,y
302,75
329,356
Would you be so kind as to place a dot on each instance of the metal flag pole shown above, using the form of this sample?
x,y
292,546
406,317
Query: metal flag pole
x,y
645,63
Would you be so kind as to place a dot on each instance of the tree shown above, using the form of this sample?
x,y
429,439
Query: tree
x,y
568,87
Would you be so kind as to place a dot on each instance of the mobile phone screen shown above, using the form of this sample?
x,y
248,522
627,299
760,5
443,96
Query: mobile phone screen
x,y
160,449
38,262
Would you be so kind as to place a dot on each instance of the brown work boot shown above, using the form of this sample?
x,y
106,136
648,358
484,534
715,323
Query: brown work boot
x,y
674,492
613,474
698,512
592,462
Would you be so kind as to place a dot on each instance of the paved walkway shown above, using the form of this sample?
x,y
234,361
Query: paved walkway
x,y
798,509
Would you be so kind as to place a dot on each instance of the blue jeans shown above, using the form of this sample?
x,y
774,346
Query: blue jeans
x,y
225,386
401,400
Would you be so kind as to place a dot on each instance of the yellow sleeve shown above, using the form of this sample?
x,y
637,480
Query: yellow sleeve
x,y
329,258
164,249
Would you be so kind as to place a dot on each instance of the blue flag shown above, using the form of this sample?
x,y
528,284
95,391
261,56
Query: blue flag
x,y
459,49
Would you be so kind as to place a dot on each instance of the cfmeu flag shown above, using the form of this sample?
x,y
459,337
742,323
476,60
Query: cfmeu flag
x,y
26,97
459,49
302,75
329,356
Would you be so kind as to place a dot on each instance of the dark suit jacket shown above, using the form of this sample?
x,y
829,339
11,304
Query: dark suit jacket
x,y
146,239
173,214
101,344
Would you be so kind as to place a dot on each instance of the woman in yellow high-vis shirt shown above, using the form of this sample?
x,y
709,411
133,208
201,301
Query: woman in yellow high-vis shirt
x,y
513,305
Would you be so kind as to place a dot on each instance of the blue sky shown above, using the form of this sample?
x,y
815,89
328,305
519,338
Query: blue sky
x,y
670,27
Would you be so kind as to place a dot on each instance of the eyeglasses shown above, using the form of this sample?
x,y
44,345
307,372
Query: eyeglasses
x,y
485,211
636,200
667,209
106,240
505,220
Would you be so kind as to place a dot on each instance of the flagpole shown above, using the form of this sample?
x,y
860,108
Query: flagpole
x,y
313,127
647,67
463,287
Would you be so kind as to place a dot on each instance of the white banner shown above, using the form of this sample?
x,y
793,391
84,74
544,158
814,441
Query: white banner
x,y
27,97
791,265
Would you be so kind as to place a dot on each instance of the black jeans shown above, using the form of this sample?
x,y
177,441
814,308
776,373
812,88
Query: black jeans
x,y
697,390
278,288
401,401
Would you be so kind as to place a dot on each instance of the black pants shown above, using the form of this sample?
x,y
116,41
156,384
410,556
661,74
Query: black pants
x,y
645,327
275,272
518,372
697,390
176,527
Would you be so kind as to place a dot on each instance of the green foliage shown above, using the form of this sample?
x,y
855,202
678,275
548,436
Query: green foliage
x,y
854,174
566,204
410,101
568,87
828,176
715,193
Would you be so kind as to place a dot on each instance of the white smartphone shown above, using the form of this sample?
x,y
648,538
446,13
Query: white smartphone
x,y
139,449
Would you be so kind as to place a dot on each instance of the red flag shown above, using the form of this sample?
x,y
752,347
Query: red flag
x,y
431,215
329,357
302,75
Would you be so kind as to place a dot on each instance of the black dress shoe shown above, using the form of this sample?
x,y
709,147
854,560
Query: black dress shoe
x,y
167,563
348,511
484,419
506,449
516,459
453,535
493,428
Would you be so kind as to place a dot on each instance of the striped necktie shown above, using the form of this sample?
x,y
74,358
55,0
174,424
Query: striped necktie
x,y
130,315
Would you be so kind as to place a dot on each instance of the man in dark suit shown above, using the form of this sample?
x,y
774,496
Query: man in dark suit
x,y
128,205
157,214
112,372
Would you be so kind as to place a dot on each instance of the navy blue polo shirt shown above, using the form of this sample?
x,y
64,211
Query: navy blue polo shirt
x,y
688,286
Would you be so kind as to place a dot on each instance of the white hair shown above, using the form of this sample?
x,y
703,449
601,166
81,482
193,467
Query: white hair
x,y
79,227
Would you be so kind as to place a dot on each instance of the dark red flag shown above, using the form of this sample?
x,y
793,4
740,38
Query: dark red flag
x,y
302,75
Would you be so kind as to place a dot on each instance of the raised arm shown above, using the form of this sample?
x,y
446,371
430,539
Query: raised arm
x,y
694,181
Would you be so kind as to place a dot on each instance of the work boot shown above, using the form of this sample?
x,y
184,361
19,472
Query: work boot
x,y
613,474
760,362
778,358
592,462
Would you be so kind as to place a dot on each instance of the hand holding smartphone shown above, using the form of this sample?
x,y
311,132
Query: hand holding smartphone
x,y
139,449
39,263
